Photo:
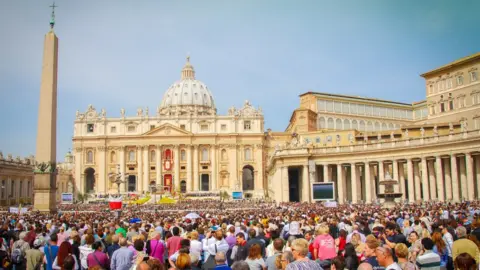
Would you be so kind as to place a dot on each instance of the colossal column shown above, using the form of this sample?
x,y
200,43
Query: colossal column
x,y
418,194
368,183
411,188
214,167
122,169
305,184
477,172
448,180
454,171
463,178
432,180
426,196
325,173
101,182
195,168
176,166
340,187
146,168
438,168
139,187
401,179
46,149
158,164
189,168
469,168
353,180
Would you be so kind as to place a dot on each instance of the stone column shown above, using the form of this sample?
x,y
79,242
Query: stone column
x,y
78,171
411,185
396,188
122,169
101,182
381,176
426,194
195,168
214,167
146,168
477,172
401,180
359,172
305,184
368,183
373,182
448,179
176,168
189,168
432,180
285,187
325,173
469,168
418,194
158,165
139,186
233,167
341,198
463,178
353,180
438,169
455,187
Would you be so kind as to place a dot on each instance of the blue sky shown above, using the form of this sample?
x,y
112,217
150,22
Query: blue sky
x,y
117,53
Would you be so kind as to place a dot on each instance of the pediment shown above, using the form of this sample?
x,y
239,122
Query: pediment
x,y
167,130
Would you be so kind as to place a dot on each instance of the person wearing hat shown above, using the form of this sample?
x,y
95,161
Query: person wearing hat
x,y
34,256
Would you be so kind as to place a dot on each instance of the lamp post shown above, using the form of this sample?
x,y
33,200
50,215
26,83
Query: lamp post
x,y
118,178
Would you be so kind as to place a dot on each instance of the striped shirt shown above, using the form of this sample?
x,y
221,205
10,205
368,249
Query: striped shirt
x,y
429,261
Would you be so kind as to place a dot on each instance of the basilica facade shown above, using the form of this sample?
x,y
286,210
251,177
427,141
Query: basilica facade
x,y
183,146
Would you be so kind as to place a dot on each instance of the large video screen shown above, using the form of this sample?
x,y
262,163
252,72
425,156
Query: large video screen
x,y
323,191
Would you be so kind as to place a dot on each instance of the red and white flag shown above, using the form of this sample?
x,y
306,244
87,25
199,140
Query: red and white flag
x,y
115,203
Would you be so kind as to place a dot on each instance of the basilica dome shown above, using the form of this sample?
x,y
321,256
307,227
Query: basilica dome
x,y
188,93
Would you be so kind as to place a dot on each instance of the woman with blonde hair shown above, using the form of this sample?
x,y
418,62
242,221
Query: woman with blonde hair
x,y
358,244
183,261
300,252
196,247
324,244
401,251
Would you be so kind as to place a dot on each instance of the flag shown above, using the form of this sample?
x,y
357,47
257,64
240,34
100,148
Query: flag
x,y
115,203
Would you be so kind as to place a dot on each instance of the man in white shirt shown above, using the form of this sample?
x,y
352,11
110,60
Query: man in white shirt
x,y
385,258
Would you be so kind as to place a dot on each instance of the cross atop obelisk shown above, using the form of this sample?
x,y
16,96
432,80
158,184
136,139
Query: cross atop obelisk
x,y
52,18
46,152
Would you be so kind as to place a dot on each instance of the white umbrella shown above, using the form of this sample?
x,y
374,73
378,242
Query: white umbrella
x,y
192,215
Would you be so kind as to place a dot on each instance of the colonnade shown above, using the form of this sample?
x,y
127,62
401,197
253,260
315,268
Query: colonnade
x,y
453,177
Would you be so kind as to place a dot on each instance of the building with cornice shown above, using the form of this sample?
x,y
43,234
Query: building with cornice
x,y
182,146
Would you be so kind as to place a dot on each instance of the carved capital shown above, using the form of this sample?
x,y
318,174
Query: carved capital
x,y
195,146
259,146
102,148
140,147
78,149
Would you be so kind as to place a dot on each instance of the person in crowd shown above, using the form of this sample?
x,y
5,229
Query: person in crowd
x,y
173,243
448,239
365,266
278,247
464,245
240,251
440,248
64,250
19,249
122,258
114,246
384,256
69,263
350,255
196,246
371,245
401,252
253,239
98,257
300,250
240,265
415,248
156,247
254,258
50,251
324,245
86,249
285,259
221,261
392,237
465,261
429,259
338,263
183,261
341,241
34,256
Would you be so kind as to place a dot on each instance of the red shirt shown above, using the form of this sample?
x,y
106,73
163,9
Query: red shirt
x,y
341,243
173,244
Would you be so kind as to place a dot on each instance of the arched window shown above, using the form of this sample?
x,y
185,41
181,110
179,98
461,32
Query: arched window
x,y
361,125
183,155
369,126
248,154
204,154
321,123
346,124
377,126
113,157
338,124
131,155
330,124
90,156
152,156
355,124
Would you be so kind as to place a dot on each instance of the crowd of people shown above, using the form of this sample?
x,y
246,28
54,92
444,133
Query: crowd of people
x,y
244,235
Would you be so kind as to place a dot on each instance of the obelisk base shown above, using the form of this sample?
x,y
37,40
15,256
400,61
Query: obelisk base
x,y
45,198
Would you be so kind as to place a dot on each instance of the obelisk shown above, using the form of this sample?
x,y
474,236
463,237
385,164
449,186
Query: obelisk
x,y
46,152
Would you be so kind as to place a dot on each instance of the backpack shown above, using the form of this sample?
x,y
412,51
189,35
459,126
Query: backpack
x,y
17,256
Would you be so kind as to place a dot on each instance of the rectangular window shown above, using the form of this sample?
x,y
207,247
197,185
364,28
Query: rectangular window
x,y
182,168
90,128
182,127
204,167
475,120
459,80
353,108
431,88
223,127
473,76
442,107
368,110
390,113
204,127
131,128
345,107
382,112
152,168
451,105
329,106
321,105
361,109
246,125
338,107
113,129
449,83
